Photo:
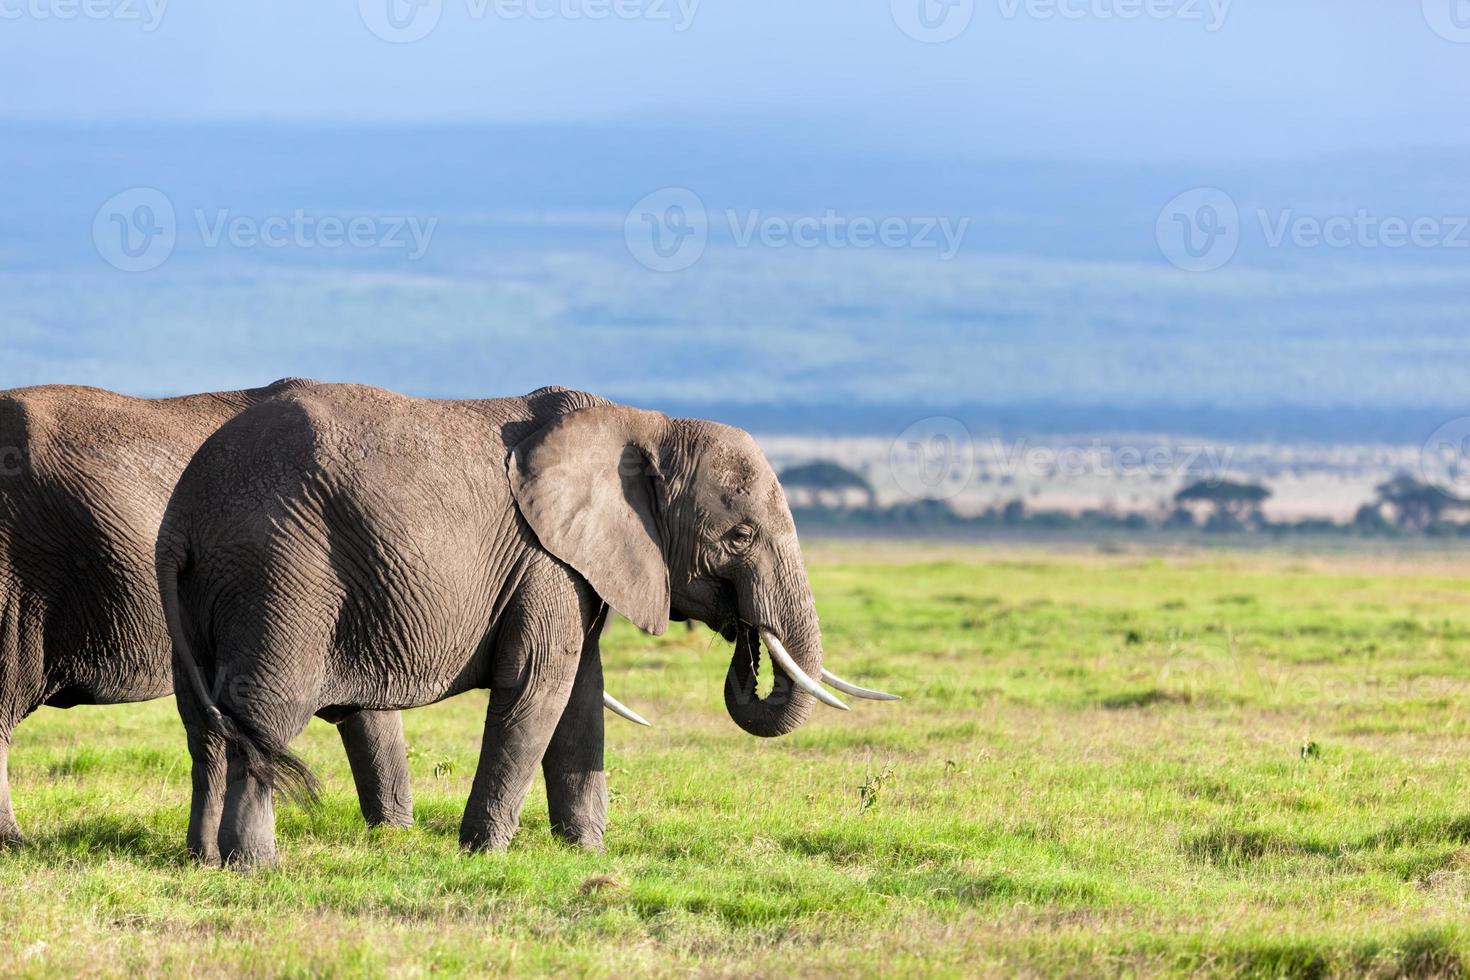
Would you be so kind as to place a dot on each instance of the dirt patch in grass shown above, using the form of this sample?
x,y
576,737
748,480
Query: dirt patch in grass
x,y
1145,698
1234,846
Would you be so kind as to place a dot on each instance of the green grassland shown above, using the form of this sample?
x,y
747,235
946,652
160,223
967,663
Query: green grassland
x,y
1219,763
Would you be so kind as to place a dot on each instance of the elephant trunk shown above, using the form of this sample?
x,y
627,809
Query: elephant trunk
x,y
793,622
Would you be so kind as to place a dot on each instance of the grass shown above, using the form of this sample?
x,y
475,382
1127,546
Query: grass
x,y
1105,764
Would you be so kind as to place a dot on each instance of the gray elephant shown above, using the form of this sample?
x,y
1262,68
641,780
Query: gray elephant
x,y
345,547
84,478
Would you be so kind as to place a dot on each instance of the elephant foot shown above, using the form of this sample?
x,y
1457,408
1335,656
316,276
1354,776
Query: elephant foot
x,y
578,805
489,837
11,837
582,840
397,819
250,860
207,855
245,852
254,847
247,834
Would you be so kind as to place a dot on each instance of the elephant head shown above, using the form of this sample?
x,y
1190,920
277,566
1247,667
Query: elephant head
x,y
683,519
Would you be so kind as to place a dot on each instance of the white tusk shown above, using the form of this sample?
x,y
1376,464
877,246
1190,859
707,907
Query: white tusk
x,y
848,687
623,711
798,676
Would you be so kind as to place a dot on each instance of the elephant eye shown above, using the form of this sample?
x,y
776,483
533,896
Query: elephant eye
x,y
741,535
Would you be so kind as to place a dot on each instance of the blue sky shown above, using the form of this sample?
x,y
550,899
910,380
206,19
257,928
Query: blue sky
x,y
1069,79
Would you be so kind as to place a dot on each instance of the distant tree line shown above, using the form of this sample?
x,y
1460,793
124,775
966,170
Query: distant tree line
x,y
827,493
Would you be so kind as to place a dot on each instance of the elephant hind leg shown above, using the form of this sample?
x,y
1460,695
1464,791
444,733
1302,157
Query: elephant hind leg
x,y
247,832
207,751
9,830
255,766
257,725
378,755
20,670
207,755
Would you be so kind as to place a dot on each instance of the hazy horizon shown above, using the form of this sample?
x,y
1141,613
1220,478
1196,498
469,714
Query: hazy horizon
x,y
1251,218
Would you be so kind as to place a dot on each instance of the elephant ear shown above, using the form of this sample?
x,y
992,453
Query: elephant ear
x,y
589,487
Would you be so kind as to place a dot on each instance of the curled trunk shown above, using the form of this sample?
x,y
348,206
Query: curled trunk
x,y
786,706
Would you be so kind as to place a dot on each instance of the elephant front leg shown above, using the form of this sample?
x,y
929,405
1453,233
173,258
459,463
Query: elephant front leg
x,y
378,755
576,782
535,667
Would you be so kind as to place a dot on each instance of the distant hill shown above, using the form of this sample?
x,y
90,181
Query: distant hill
x,y
1283,423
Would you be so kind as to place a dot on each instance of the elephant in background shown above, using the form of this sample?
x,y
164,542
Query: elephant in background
x,y
343,547
85,475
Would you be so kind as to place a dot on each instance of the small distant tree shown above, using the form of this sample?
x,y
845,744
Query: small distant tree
x,y
1179,518
1370,518
828,483
928,512
1415,505
1232,505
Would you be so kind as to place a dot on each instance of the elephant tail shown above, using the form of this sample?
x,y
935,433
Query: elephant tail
x,y
266,761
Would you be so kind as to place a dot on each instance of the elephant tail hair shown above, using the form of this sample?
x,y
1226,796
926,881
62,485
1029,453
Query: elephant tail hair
x,y
271,764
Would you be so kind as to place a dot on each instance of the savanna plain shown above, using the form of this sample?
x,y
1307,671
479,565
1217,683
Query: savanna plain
x,y
1198,761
